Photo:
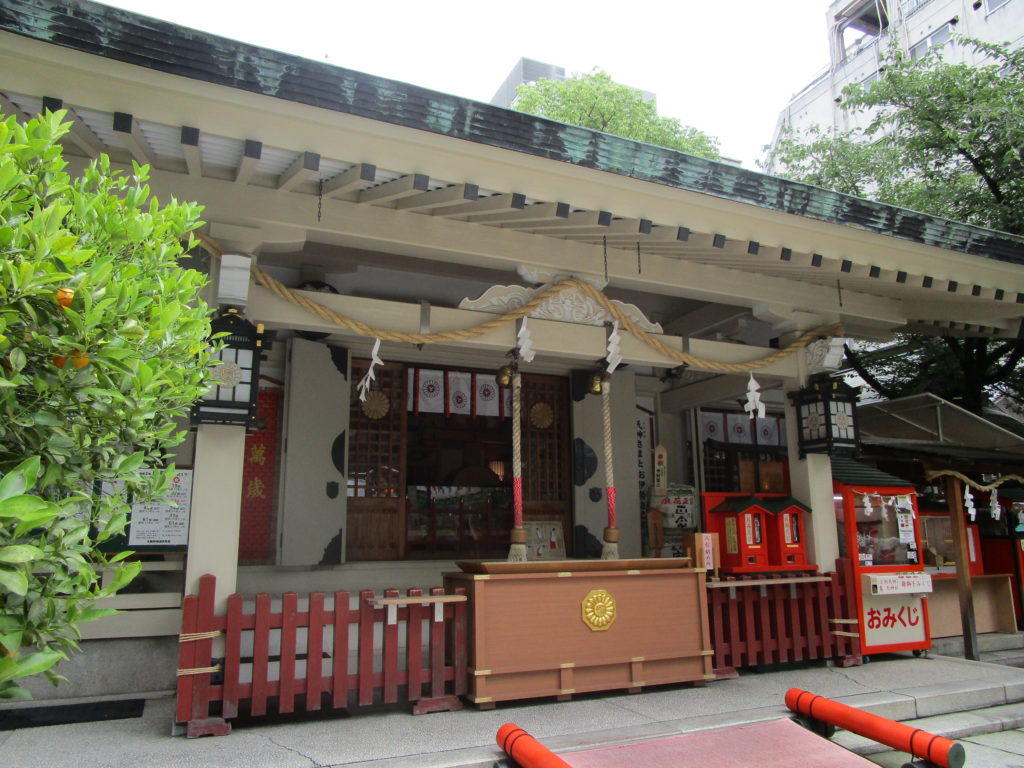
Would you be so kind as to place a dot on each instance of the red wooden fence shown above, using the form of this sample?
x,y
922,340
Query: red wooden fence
x,y
771,618
210,690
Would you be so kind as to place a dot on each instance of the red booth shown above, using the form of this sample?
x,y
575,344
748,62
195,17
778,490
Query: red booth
x,y
787,544
740,521
879,532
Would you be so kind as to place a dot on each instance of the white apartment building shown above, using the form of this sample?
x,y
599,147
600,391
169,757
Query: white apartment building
x,y
861,31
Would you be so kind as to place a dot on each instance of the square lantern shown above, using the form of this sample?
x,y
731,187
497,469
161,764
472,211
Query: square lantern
x,y
826,411
234,383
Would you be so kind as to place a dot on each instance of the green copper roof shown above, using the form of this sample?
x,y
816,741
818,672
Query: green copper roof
x,y
851,472
165,47
774,505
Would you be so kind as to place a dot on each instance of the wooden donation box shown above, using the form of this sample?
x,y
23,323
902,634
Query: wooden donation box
x,y
559,628
740,523
787,544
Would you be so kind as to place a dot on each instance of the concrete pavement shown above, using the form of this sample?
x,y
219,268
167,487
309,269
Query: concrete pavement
x,y
899,687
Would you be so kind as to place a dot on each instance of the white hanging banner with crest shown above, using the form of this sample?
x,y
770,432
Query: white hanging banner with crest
x,y
712,426
488,396
426,388
739,428
767,430
460,393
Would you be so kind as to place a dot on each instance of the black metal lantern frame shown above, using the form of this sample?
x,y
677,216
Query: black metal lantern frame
x,y
826,411
231,398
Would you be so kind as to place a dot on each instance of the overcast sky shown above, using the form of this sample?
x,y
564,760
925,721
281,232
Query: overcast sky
x,y
727,68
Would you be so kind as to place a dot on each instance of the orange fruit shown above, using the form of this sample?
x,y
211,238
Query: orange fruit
x,y
64,296
78,360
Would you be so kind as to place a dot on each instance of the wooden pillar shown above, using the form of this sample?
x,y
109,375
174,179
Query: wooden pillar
x,y
216,509
811,482
963,567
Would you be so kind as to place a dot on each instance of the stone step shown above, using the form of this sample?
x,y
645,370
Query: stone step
x,y
1008,658
990,641
953,725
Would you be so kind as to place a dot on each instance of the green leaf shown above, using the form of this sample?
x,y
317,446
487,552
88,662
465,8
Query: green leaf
x,y
22,507
11,691
30,664
20,478
13,581
20,553
91,614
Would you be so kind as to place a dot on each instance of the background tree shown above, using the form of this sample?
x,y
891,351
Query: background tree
x,y
596,101
945,139
103,344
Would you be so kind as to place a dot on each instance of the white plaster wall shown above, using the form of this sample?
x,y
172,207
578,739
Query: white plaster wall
x,y
316,413
586,420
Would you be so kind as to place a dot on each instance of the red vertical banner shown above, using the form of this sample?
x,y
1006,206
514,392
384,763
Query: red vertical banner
x,y
259,484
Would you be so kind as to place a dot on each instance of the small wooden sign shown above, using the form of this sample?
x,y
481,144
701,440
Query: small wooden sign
x,y
660,467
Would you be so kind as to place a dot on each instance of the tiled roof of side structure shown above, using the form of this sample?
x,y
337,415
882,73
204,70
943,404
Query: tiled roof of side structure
x,y
852,472
166,47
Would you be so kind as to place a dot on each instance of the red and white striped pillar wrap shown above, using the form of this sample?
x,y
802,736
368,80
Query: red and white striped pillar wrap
x,y
517,550
610,549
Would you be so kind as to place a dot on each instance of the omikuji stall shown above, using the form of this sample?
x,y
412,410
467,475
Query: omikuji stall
x,y
879,533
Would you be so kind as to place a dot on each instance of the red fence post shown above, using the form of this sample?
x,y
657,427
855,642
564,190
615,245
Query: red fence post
x,y
286,679
261,655
186,658
460,645
315,622
366,621
232,656
390,650
439,700
414,648
195,663
340,683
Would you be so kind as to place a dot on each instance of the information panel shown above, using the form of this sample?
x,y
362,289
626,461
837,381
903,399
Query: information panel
x,y
164,525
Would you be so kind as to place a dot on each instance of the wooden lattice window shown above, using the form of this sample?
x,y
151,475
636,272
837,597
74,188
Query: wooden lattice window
x,y
376,451
545,438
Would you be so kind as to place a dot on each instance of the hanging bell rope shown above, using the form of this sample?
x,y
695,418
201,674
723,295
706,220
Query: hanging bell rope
x,y
517,549
610,547
933,474
498,321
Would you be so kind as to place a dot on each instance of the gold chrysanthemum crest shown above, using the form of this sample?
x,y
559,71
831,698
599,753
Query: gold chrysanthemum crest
x,y
599,610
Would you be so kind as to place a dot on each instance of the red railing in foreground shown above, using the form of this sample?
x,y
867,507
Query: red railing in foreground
x,y
772,618
307,642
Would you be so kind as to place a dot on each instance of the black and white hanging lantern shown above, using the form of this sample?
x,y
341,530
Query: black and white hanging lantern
x,y
231,398
826,411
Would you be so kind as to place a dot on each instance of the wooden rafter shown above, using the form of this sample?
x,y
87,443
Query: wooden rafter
x,y
127,128
575,221
251,155
350,180
439,198
190,148
305,167
485,205
530,214
9,108
393,190
80,134
618,228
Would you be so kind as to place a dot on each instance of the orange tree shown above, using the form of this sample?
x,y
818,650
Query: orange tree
x,y
103,347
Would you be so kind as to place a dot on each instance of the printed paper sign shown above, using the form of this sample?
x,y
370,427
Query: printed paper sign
x,y
905,520
153,525
899,583
679,506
